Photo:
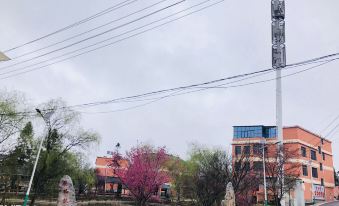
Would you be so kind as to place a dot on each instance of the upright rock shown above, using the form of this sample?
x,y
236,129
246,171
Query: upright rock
x,y
229,196
66,192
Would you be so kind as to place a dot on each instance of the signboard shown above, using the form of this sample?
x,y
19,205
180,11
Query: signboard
x,y
318,192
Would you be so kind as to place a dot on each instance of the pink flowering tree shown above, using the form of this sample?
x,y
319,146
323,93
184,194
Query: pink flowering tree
x,y
142,171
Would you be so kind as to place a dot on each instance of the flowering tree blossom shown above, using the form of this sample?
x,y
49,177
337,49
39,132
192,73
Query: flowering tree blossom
x,y
144,174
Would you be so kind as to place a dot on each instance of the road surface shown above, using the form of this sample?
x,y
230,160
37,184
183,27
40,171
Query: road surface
x,y
331,204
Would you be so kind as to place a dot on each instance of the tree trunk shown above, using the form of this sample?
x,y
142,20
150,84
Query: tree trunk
x,y
32,200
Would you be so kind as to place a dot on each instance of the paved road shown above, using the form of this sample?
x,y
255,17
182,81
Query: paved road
x,y
332,204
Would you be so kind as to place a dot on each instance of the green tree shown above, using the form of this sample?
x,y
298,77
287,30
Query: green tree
x,y
64,138
11,121
205,176
18,162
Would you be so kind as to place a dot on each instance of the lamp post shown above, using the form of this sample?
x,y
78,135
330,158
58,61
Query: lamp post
x,y
3,57
46,118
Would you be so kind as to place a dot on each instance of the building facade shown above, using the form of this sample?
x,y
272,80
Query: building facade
x,y
107,180
314,160
109,183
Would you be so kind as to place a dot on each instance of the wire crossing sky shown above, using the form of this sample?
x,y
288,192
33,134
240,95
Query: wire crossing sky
x,y
182,45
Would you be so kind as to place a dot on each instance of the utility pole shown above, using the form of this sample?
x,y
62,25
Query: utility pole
x,y
46,118
278,63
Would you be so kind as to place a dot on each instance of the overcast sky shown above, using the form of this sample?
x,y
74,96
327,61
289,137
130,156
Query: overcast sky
x,y
229,38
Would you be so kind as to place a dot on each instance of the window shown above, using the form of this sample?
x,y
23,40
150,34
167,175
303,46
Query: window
x,y
322,140
322,181
314,172
256,148
305,170
247,132
247,166
319,149
321,167
237,150
257,166
237,166
303,151
313,155
324,156
247,150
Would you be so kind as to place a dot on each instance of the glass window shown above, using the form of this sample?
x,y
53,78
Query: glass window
x,y
324,156
237,150
314,172
319,149
321,167
257,166
303,151
322,181
313,155
305,171
322,140
256,148
247,166
247,150
237,166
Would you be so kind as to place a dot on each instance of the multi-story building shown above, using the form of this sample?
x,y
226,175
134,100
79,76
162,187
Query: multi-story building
x,y
315,159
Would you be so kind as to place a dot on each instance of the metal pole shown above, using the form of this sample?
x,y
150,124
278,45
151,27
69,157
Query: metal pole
x,y
280,131
279,62
263,163
46,119
33,172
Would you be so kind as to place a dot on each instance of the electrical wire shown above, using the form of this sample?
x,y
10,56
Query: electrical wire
x,y
93,36
111,43
205,88
110,9
177,90
335,119
88,31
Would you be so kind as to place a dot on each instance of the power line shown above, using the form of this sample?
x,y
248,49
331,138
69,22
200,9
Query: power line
x,y
199,87
292,74
88,31
335,119
94,36
205,88
110,9
111,43
332,130
154,92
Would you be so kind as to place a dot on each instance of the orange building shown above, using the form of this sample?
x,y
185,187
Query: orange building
x,y
315,159
108,182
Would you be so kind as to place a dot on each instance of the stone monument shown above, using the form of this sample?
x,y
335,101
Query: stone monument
x,y
66,192
229,196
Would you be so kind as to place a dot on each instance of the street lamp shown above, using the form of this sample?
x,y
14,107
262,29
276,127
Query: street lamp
x,y
3,57
46,118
